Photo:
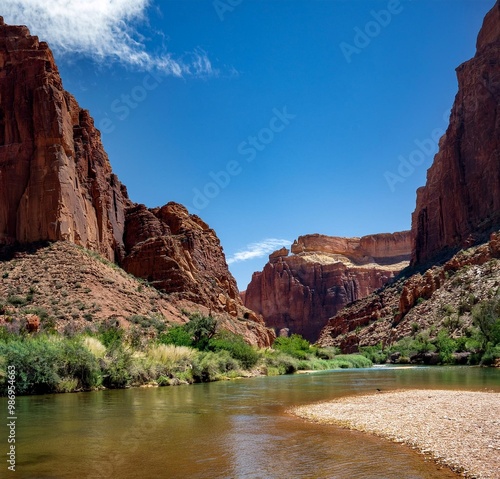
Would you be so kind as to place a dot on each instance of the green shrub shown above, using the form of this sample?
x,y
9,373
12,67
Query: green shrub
x,y
279,361
446,346
211,366
327,353
116,367
36,362
78,363
295,346
16,300
375,354
486,316
491,354
176,335
237,348
353,361
110,335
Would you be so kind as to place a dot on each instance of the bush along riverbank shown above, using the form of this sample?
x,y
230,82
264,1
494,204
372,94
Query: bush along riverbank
x,y
480,345
113,358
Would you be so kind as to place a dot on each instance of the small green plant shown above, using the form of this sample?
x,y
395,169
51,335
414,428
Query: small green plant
x,y
16,300
110,335
448,309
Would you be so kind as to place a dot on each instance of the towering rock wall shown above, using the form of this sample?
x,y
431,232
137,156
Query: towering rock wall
x,y
460,202
300,292
56,184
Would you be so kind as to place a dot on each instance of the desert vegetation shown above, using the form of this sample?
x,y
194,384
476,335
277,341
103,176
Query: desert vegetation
x,y
479,345
198,351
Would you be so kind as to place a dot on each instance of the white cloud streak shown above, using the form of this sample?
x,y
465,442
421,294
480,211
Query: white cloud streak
x,y
104,30
258,250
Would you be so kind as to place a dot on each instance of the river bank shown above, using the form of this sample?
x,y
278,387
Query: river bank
x,y
460,429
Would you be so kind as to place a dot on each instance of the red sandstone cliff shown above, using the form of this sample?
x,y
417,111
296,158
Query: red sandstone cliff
x,y
421,302
461,199
56,184
300,292
458,206
179,253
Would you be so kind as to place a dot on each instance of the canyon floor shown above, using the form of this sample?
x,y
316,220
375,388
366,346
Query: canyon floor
x,y
460,429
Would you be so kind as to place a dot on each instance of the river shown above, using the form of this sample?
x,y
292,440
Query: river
x,y
231,429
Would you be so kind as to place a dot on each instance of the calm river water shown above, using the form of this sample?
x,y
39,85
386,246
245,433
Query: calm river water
x,y
235,429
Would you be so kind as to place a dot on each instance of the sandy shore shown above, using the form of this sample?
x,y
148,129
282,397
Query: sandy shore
x,y
458,428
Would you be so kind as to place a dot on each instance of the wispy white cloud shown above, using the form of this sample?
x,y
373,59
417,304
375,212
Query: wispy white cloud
x,y
258,250
105,30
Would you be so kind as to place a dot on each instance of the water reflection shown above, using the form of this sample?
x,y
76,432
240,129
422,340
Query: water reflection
x,y
237,429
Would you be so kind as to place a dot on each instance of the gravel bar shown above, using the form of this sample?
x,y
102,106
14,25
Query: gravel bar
x,y
460,429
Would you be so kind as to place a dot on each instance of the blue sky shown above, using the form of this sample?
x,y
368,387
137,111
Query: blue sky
x,y
269,118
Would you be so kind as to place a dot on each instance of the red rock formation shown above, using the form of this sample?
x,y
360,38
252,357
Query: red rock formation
x,y
56,182
302,291
461,199
381,313
178,253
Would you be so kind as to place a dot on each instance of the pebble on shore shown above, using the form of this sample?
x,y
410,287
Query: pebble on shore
x,y
460,429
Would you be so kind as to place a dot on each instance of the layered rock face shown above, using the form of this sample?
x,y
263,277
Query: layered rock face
x,y
300,292
56,184
427,301
178,253
460,202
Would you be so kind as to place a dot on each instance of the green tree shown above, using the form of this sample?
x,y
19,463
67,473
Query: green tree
x,y
202,329
486,316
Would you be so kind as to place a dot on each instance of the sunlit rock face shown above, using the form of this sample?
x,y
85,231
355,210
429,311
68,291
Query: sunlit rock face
x,y
324,273
460,202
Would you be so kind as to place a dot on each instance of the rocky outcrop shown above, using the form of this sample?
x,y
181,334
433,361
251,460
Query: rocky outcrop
x,y
422,301
384,248
56,184
300,292
460,202
178,253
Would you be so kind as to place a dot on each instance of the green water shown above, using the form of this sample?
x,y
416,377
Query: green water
x,y
234,429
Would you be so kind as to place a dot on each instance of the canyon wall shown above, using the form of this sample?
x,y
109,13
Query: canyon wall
x,y
457,208
460,203
324,273
56,184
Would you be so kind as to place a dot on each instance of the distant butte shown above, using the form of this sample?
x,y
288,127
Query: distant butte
x,y
324,273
